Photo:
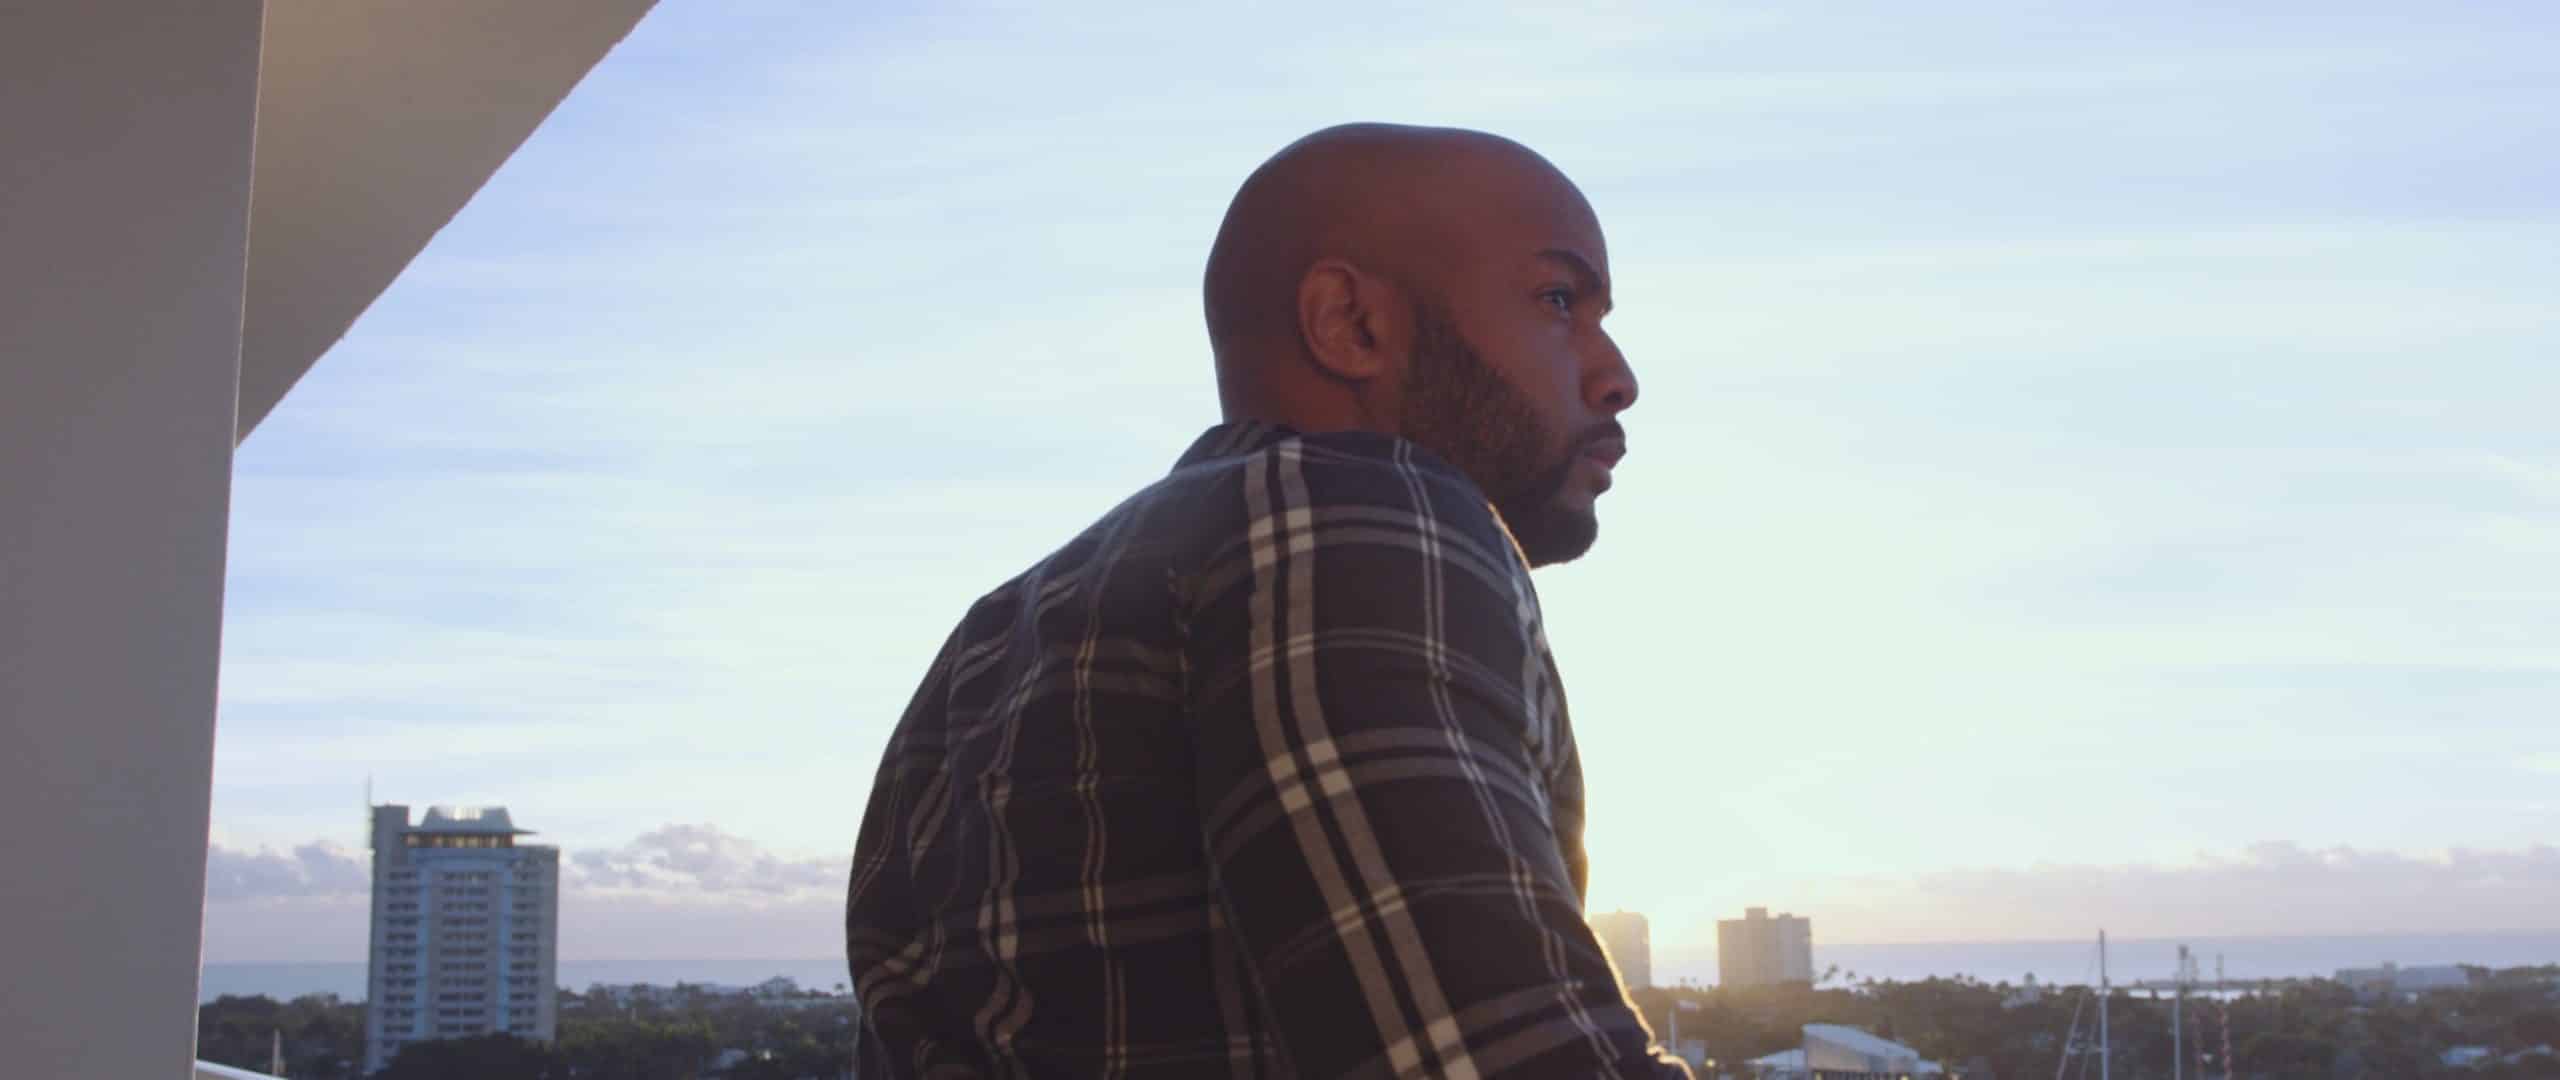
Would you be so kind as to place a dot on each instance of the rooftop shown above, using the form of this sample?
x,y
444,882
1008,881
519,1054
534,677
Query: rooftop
x,y
1852,1039
472,820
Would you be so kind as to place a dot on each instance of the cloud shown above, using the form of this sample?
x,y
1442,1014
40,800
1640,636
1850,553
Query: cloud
x,y
695,889
671,862
700,862
680,890
2270,889
313,870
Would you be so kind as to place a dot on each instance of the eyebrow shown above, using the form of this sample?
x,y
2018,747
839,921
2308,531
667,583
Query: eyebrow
x,y
1591,281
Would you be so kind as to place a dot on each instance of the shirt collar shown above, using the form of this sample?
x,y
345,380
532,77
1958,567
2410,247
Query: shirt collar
x,y
1233,438
1239,437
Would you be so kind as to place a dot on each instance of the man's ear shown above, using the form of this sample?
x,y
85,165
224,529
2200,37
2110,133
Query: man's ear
x,y
1352,321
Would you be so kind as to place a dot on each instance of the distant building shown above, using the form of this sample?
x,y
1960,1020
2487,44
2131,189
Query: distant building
x,y
2027,993
1756,950
1630,944
466,930
632,995
1834,1050
2392,980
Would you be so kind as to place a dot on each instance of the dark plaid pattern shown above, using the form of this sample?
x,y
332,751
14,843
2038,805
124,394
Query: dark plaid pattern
x,y
1267,774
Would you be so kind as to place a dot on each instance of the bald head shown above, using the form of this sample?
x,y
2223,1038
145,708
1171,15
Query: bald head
x,y
1439,285
1399,203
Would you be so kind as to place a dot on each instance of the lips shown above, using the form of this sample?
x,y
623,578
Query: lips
x,y
1606,450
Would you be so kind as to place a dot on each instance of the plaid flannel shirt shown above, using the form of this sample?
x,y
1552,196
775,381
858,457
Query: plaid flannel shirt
x,y
1265,774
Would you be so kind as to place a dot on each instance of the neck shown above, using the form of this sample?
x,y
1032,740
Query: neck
x,y
1314,409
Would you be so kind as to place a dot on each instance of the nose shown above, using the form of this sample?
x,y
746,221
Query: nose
x,y
1610,386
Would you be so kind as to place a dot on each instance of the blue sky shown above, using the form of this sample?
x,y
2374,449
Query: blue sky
x,y
2074,451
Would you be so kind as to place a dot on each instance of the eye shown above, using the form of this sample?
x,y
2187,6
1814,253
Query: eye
x,y
1558,298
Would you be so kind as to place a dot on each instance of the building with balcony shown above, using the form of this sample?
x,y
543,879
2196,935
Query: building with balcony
x,y
466,930
1757,950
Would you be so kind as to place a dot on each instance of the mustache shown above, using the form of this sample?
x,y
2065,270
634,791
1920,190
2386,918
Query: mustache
x,y
1606,429
1553,478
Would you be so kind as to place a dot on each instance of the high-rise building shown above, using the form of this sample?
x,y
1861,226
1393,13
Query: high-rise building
x,y
1756,950
466,930
1630,944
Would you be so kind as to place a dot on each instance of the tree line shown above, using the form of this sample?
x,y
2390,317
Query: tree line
x,y
2293,1029
808,1037
2296,1029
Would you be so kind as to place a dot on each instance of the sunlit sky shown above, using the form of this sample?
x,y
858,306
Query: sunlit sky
x,y
2090,467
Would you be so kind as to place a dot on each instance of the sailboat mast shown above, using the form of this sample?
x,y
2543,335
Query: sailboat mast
x,y
2103,1054
2178,1022
2220,992
2071,1039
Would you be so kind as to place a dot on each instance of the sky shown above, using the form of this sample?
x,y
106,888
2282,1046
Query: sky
x,y
2090,470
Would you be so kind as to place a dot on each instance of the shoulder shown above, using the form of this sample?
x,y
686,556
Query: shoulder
x,y
1344,511
1365,467
1350,489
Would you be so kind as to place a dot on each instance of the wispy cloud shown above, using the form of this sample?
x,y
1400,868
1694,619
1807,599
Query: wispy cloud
x,y
678,862
679,890
704,864
315,871
2268,889
684,890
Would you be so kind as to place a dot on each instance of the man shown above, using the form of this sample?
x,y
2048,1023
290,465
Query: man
x,y
1268,772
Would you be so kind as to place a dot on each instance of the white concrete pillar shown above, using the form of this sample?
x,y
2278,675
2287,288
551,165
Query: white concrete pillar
x,y
125,135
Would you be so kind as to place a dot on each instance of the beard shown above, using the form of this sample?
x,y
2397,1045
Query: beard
x,y
1457,406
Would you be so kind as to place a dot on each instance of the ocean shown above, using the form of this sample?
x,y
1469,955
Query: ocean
x,y
2138,959
2064,962
346,979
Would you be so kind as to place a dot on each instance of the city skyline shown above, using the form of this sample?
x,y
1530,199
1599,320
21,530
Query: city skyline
x,y
2115,449
675,887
